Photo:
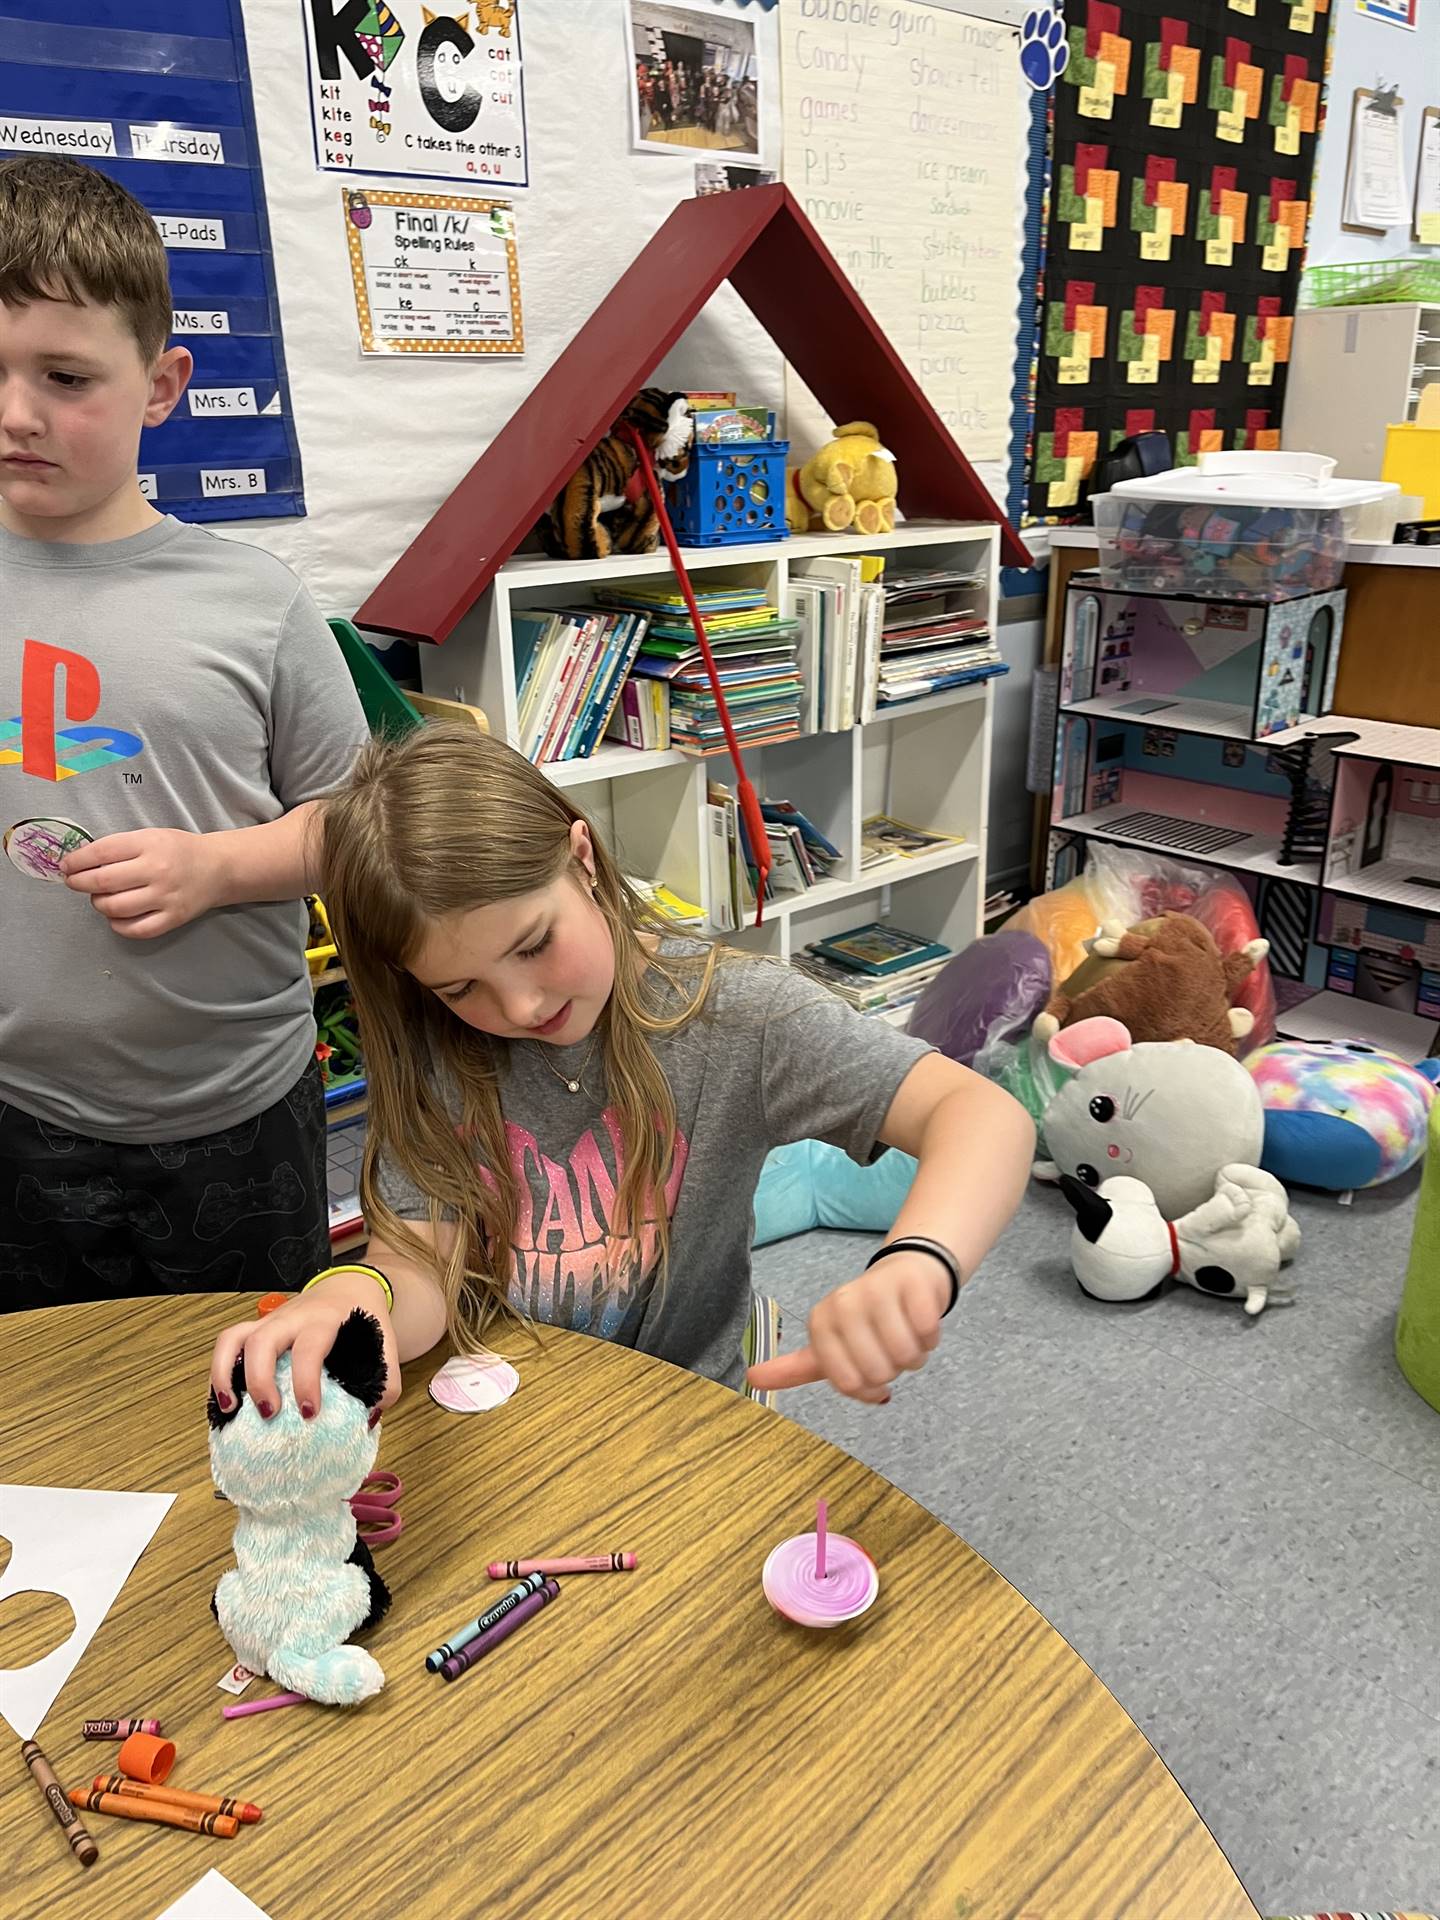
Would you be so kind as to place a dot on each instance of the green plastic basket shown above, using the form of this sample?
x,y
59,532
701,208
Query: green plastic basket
x,y
387,710
1372,283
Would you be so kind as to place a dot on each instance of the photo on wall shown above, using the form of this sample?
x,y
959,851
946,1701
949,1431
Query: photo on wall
x,y
715,176
695,81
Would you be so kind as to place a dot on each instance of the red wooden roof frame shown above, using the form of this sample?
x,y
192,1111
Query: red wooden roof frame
x,y
761,242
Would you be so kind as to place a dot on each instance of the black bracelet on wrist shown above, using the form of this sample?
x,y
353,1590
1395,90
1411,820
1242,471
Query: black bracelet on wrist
x,y
916,1243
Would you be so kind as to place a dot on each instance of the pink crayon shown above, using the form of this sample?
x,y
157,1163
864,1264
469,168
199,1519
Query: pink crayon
x,y
586,1563
244,1707
117,1729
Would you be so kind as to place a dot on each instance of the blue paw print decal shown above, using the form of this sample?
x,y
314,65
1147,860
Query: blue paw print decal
x,y
1044,50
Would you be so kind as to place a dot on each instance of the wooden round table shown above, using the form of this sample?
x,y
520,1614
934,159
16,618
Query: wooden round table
x,y
657,1743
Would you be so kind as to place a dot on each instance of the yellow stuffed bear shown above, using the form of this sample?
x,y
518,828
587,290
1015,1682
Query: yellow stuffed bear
x,y
849,483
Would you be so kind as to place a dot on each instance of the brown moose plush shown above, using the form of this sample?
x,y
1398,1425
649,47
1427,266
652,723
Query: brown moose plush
x,y
1164,979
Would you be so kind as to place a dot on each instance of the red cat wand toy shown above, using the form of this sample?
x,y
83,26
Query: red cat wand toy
x,y
749,802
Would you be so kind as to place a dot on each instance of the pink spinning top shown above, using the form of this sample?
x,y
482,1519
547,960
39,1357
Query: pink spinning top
x,y
820,1579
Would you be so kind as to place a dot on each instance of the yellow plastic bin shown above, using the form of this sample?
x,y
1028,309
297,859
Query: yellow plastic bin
x,y
1412,453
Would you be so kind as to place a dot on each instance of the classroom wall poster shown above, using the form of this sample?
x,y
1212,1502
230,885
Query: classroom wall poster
x,y
1182,155
1394,13
905,130
170,116
433,273
398,87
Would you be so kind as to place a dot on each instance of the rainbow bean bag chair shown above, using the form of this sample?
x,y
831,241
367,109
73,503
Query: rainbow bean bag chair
x,y
1341,1113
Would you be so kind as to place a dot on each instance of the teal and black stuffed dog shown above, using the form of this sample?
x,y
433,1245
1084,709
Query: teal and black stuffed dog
x,y
303,1582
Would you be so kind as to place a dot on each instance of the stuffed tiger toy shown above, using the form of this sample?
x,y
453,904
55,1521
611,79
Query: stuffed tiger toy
x,y
604,506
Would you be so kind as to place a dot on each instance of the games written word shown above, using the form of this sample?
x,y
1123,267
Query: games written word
x,y
406,89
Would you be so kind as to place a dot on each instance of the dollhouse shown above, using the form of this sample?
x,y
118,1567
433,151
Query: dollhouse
x,y
1201,730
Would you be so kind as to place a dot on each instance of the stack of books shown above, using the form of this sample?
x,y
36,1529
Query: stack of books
x,y
668,904
877,969
801,856
840,608
642,715
883,837
570,665
732,875
932,638
755,656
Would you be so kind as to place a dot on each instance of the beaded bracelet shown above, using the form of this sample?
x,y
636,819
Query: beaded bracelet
x,y
351,1266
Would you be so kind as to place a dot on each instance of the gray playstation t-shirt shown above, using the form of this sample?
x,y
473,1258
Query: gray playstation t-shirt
x,y
775,1058
172,679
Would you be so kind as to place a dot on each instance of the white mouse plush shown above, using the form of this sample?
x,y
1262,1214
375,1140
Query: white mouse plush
x,y
1165,1112
1231,1247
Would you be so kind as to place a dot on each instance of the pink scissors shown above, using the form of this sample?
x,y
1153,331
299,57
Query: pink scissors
x,y
374,1506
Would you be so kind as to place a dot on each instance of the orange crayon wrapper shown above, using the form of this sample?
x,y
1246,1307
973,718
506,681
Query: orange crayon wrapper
x,y
159,1813
245,1811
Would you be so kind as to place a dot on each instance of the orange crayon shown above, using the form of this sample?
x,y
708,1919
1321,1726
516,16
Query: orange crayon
x,y
159,1813
245,1811
81,1845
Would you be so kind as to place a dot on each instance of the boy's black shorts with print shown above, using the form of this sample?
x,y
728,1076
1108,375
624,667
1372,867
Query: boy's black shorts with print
x,y
85,1219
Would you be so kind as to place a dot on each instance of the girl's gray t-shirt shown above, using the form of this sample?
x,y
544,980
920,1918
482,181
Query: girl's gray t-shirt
x,y
170,679
774,1058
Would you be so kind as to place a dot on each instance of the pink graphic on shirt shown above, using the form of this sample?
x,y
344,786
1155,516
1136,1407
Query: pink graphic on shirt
x,y
567,1268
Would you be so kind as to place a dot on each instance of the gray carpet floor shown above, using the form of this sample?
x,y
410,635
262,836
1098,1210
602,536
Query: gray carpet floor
x,y
1236,1523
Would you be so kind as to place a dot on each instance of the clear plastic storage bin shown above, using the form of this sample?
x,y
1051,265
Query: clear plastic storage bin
x,y
1249,526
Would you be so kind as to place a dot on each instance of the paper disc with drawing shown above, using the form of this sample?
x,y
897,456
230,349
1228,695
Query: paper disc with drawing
x,y
37,847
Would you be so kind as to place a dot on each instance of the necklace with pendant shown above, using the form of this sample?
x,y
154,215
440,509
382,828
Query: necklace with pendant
x,y
577,1085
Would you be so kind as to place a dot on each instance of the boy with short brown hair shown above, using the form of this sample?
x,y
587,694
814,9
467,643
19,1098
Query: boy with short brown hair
x,y
178,706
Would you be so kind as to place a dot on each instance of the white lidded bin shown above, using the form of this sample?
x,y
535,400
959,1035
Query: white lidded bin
x,y
1239,526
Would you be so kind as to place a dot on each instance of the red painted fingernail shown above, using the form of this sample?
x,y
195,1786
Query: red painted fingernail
x,y
266,1410
226,1403
374,1419
307,1412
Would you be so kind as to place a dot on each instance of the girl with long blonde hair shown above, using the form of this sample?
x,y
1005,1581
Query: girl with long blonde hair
x,y
570,1103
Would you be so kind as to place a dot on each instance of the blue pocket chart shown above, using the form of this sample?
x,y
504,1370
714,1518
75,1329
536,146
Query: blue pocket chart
x,y
157,94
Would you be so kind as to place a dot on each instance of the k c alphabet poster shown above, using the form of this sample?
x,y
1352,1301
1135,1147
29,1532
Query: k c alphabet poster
x,y
397,87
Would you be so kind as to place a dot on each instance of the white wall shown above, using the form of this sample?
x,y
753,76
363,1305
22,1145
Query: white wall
x,y
384,441
1362,52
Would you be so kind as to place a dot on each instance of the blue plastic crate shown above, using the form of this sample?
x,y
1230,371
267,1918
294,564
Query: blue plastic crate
x,y
731,493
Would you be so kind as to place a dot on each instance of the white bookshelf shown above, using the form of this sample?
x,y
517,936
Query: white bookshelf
x,y
927,761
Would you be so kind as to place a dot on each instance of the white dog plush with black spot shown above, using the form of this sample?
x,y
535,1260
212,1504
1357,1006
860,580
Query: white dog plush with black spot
x,y
1232,1246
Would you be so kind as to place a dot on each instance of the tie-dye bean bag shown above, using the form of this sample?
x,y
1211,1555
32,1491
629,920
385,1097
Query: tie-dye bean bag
x,y
1341,1113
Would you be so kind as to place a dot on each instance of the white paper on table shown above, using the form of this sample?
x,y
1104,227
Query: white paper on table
x,y
80,1544
1377,168
213,1898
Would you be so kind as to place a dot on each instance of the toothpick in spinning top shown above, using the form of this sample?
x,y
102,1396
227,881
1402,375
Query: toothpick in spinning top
x,y
820,1579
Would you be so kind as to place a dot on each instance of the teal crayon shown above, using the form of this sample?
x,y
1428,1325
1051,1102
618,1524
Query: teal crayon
x,y
522,1590
486,1642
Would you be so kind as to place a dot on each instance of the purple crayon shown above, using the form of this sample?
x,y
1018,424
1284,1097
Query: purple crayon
x,y
485,1642
522,1590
